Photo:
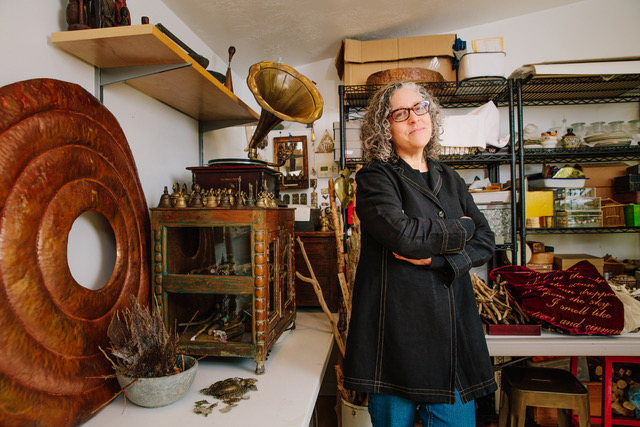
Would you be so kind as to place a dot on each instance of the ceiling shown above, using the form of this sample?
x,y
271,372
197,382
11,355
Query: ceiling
x,y
298,32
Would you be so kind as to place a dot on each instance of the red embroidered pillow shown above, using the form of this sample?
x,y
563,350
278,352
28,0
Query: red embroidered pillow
x,y
578,300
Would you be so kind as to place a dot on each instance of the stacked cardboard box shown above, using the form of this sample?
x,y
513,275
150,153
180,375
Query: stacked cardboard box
x,y
357,60
626,187
601,176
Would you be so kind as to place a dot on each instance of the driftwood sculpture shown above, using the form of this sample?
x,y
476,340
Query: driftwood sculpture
x,y
62,154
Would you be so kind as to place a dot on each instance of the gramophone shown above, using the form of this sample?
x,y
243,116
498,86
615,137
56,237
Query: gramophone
x,y
284,95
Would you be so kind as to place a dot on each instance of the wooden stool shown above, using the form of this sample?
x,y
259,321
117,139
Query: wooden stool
x,y
545,387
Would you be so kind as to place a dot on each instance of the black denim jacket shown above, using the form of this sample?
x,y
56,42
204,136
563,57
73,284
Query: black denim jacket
x,y
415,331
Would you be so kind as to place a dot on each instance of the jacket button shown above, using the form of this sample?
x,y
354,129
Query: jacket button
x,y
441,214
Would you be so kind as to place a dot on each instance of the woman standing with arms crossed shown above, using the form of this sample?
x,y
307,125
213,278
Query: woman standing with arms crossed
x,y
415,339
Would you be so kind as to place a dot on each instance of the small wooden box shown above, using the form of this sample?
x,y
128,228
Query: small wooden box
x,y
612,213
564,261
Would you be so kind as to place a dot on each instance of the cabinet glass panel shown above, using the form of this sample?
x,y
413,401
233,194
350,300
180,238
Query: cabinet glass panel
x,y
286,276
211,318
216,250
271,262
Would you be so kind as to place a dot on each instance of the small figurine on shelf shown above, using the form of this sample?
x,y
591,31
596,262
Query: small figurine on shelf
x,y
103,13
228,83
123,17
251,200
175,194
78,15
325,220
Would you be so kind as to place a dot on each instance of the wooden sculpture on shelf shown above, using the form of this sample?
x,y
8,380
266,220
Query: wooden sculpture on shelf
x,y
78,15
63,154
123,17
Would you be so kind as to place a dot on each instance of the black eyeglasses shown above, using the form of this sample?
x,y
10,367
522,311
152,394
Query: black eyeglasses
x,y
402,114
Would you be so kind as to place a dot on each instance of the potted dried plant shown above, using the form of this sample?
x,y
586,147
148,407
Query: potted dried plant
x,y
145,359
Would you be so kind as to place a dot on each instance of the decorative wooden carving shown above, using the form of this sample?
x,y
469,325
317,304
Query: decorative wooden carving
x,y
62,154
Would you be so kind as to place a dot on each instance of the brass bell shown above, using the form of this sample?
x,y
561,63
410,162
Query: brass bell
x,y
165,199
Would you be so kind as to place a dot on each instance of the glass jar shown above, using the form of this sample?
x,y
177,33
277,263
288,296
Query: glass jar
x,y
596,128
616,126
634,131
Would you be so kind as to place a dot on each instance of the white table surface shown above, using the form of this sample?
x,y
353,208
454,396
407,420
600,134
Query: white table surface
x,y
286,395
555,344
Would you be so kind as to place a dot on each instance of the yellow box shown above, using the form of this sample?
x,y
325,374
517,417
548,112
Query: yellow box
x,y
539,203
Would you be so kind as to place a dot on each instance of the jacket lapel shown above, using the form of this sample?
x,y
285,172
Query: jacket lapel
x,y
414,179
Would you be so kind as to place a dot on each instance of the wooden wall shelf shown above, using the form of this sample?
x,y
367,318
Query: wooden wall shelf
x,y
149,61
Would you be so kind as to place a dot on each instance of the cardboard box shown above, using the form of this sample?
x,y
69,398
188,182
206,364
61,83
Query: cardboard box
x,y
602,174
542,258
564,261
357,60
539,203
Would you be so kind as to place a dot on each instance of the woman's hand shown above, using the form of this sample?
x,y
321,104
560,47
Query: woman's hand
x,y
425,261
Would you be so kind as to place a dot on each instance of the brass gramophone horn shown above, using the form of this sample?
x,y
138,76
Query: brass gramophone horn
x,y
284,95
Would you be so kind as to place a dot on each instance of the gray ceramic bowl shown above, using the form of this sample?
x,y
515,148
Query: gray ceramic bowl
x,y
160,391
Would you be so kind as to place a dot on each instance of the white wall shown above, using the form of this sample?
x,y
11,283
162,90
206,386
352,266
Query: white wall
x,y
164,141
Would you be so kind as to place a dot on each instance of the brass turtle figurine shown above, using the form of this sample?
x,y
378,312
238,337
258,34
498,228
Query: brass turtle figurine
x,y
230,390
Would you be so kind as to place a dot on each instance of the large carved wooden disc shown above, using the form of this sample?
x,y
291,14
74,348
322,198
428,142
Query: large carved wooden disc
x,y
62,154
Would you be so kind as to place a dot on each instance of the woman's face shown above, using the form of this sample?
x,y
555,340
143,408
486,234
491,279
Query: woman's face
x,y
410,136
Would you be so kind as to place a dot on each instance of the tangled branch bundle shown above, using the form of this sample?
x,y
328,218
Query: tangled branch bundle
x,y
141,344
495,305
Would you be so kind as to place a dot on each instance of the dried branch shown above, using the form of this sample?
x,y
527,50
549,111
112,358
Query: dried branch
x,y
318,291
495,305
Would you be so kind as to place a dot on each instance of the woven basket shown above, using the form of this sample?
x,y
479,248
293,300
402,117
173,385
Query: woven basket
x,y
612,213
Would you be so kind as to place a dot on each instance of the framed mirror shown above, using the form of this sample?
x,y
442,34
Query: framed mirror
x,y
290,153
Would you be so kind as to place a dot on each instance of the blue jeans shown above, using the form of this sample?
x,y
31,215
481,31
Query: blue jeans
x,y
392,411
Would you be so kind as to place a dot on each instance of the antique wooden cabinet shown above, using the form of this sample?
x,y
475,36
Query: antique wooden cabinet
x,y
320,247
224,277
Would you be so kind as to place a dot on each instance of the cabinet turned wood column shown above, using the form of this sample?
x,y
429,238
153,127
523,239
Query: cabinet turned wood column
x,y
320,247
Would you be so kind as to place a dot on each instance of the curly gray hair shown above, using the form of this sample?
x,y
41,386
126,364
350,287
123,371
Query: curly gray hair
x,y
375,132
